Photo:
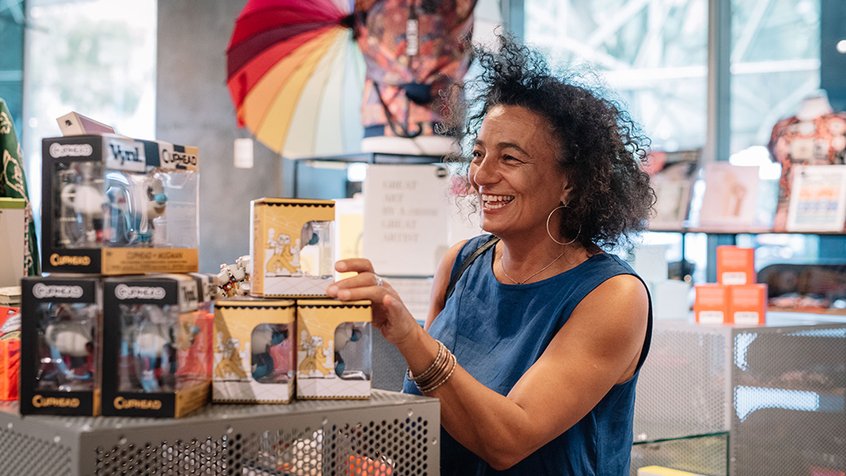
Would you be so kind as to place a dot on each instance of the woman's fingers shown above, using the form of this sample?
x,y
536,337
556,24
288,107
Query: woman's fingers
x,y
358,265
372,293
361,280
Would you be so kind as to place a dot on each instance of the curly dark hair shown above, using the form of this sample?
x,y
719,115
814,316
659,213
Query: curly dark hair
x,y
601,148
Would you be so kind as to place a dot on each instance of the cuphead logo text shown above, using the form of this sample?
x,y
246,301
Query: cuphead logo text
x,y
123,292
44,291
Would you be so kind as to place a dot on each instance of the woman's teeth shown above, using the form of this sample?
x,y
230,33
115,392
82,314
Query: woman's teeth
x,y
493,202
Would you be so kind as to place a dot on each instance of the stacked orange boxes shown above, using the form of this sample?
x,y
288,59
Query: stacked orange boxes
x,y
736,298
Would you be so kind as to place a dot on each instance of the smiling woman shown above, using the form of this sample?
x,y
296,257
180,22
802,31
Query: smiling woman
x,y
535,355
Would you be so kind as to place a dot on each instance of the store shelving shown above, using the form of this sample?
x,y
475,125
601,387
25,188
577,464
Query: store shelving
x,y
390,430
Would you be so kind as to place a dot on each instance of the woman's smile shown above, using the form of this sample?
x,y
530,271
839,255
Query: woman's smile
x,y
495,202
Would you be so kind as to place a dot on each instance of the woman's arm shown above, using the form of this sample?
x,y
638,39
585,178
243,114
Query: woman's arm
x,y
597,348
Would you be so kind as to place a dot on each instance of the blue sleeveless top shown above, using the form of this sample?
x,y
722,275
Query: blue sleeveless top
x,y
497,331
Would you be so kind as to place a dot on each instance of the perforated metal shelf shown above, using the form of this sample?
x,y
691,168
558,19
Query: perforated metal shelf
x,y
333,437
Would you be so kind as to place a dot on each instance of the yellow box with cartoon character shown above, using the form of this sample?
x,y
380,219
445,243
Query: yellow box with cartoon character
x,y
333,349
253,351
291,247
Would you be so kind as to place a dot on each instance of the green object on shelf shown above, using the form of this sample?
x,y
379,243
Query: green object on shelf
x,y
13,182
12,203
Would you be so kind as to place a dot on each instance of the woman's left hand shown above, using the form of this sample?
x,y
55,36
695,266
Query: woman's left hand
x,y
390,315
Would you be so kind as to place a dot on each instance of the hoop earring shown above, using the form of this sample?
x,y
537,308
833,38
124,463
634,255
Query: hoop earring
x,y
549,217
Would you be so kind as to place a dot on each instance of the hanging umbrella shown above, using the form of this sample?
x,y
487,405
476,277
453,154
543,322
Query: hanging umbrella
x,y
296,75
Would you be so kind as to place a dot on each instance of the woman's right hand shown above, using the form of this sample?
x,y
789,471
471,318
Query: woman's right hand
x,y
390,315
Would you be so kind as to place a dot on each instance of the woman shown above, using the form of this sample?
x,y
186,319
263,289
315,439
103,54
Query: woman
x,y
539,346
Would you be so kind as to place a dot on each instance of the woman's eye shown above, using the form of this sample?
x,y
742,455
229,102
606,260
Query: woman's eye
x,y
510,158
477,155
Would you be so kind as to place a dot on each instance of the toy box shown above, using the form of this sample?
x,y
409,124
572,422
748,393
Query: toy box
x,y
333,349
735,265
61,327
203,349
114,205
747,304
711,304
156,345
10,352
254,350
291,247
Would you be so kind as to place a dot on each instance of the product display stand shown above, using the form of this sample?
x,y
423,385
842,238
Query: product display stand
x,y
391,433
776,389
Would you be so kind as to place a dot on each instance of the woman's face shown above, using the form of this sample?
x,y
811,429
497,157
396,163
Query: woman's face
x,y
515,173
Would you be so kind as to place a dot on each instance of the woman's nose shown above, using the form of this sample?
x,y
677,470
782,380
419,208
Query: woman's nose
x,y
485,172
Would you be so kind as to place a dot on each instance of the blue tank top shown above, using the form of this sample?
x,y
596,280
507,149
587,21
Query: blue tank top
x,y
497,331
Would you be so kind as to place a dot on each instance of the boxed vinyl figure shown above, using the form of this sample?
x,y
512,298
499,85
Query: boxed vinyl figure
x,y
115,205
254,351
60,346
156,347
333,349
291,247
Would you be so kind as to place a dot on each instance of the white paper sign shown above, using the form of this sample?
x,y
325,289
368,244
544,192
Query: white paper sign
x,y
817,198
405,218
731,194
12,241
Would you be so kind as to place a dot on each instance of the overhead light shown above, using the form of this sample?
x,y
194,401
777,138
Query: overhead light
x,y
841,47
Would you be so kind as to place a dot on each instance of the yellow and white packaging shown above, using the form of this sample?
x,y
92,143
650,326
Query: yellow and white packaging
x,y
291,247
333,349
253,351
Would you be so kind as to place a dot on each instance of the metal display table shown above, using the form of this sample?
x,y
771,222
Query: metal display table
x,y
391,433
778,390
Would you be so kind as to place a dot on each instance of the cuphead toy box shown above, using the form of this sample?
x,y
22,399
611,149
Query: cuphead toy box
x,y
115,205
156,346
60,346
291,247
254,350
333,349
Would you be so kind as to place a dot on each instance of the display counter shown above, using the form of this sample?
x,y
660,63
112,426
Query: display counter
x,y
778,389
390,433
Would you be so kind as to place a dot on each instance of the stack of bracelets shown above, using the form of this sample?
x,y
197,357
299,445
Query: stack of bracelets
x,y
438,373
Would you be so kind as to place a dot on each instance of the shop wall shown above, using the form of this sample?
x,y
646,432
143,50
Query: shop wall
x,y
193,107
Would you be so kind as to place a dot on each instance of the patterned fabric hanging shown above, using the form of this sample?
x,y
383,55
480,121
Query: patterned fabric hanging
x,y
13,183
414,50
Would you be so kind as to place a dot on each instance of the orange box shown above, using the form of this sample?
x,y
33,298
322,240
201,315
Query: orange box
x,y
10,362
711,304
747,304
735,265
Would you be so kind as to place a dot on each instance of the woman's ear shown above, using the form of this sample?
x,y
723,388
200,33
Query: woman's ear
x,y
566,188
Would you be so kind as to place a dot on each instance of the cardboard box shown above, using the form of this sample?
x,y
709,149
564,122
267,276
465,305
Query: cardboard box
x,y
711,303
747,304
333,349
114,205
13,242
155,347
254,351
74,124
291,248
735,265
61,338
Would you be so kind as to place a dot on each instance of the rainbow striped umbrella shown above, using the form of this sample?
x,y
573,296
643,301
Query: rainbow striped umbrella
x,y
296,74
